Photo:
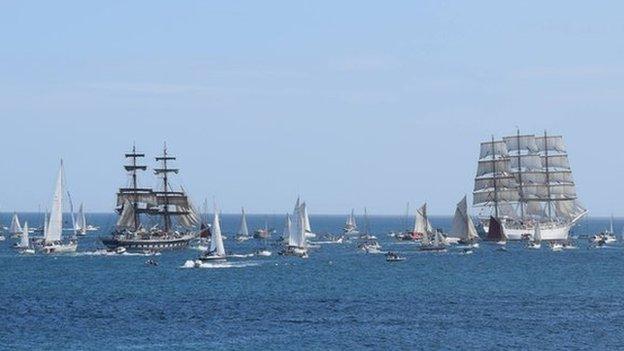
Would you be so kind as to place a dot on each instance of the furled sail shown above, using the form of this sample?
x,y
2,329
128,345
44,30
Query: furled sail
x,y
216,243
55,226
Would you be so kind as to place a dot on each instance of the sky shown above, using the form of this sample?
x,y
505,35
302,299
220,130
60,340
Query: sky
x,y
346,103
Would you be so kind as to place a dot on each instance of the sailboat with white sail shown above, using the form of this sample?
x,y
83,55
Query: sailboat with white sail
x,y
24,245
53,242
243,231
217,250
81,222
16,228
350,227
306,223
297,244
431,240
464,230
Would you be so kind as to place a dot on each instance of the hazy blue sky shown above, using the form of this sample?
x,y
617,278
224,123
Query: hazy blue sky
x,y
348,103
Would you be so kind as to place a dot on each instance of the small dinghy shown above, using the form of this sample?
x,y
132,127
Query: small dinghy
x,y
120,250
394,257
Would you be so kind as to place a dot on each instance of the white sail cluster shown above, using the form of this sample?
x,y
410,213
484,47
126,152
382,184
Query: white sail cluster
x,y
526,176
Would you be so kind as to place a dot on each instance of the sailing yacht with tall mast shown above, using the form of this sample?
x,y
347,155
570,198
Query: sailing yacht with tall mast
x,y
170,213
53,242
523,180
217,250
243,231
297,244
432,240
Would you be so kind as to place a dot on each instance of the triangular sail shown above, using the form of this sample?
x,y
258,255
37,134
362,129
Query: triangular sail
x,y
463,227
127,218
306,219
216,243
496,231
287,227
351,224
243,227
81,220
24,239
55,225
422,224
16,227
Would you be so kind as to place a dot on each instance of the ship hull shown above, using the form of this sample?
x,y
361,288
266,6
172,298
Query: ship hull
x,y
549,233
152,244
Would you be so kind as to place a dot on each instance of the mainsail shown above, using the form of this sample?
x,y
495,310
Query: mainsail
x,y
287,227
24,239
463,227
15,227
422,224
243,227
351,224
296,236
55,225
526,176
216,243
306,219
81,220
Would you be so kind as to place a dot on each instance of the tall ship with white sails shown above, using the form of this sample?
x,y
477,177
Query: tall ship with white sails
x,y
152,220
525,180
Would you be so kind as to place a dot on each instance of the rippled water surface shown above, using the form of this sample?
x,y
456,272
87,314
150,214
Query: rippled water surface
x,y
339,298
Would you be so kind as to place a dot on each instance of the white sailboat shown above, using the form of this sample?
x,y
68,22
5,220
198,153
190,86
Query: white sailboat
x,y
81,222
606,236
463,229
53,242
424,227
16,228
351,226
217,250
24,244
297,244
367,235
243,231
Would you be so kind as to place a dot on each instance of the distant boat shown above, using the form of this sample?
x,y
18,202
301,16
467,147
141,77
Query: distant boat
x,y
15,229
606,236
463,228
243,232
350,227
81,222
367,235
263,233
297,244
423,226
217,250
496,232
53,242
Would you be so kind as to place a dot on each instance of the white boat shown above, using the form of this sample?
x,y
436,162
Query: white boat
x,y
556,246
243,231
217,250
297,244
263,252
120,250
536,243
81,222
24,243
53,242
350,227
606,236
463,230
526,179
367,235
15,229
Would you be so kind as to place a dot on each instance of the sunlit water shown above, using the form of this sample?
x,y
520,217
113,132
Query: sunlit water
x,y
339,298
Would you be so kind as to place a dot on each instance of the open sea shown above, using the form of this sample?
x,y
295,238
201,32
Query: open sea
x,y
340,298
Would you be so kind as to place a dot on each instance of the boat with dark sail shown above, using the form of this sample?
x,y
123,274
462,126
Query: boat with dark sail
x,y
152,220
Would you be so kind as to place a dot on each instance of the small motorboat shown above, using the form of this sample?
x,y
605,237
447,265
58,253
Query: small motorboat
x,y
555,246
241,238
27,251
120,250
534,245
394,257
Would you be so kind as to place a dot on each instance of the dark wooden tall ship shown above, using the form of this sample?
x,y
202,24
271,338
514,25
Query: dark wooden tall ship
x,y
152,220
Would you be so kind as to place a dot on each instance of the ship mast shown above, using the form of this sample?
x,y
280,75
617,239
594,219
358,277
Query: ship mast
x,y
521,192
494,179
548,199
133,168
165,170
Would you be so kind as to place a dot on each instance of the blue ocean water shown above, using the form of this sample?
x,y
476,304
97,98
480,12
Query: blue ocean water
x,y
337,299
